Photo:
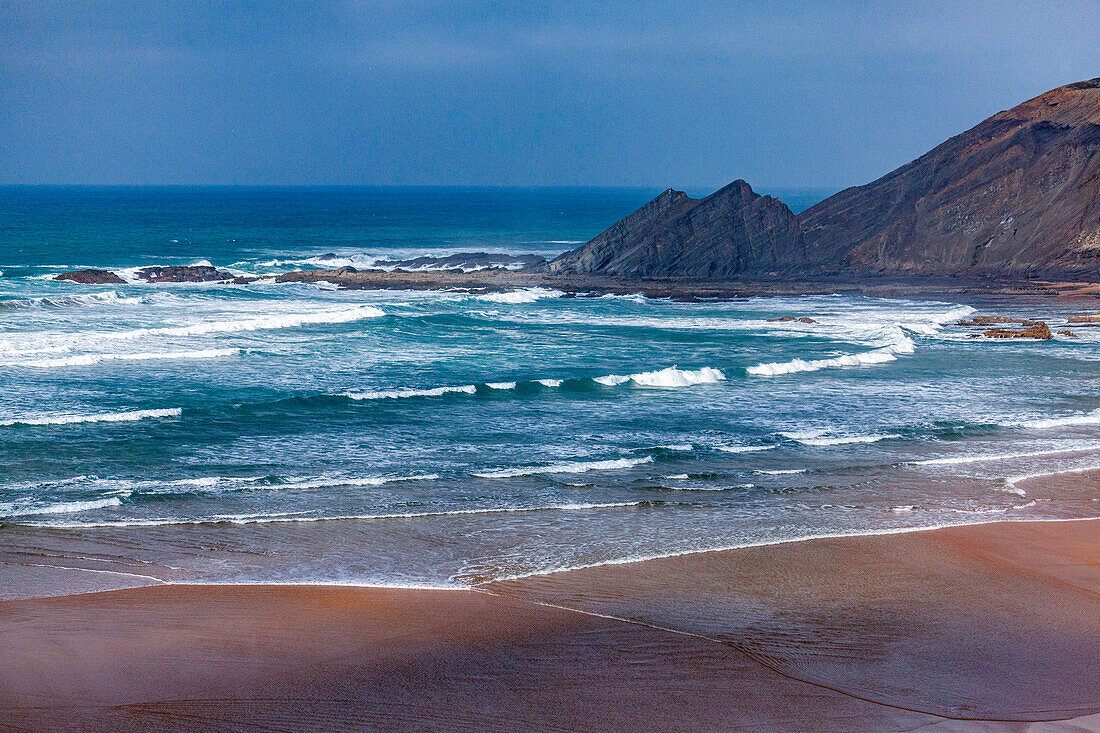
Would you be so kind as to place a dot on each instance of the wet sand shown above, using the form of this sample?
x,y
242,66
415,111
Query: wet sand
x,y
944,630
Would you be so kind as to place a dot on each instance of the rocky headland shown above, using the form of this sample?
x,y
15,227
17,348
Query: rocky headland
x,y
1010,206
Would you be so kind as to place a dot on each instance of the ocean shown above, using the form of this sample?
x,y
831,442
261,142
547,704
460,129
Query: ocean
x,y
298,433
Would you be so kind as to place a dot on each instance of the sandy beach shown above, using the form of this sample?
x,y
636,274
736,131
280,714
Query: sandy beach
x,y
988,627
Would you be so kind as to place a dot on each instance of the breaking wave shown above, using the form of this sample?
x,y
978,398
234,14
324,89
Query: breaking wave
x,y
65,507
670,377
819,438
101,417
577,467
395,394
291,517
526,295
883,355
1089,418
91,359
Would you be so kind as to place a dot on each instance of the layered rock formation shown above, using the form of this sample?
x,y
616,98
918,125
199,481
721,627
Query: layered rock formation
x,y
731,233
1016,196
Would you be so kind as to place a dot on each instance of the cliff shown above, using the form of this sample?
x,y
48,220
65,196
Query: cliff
x,y
1016,196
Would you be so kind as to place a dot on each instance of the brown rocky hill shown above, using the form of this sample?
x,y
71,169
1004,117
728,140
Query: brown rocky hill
x,y
1016,196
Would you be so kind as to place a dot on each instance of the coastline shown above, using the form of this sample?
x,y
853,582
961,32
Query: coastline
x,y
986,622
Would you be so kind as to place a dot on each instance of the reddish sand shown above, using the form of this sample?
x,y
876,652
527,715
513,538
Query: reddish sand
x,y
997,622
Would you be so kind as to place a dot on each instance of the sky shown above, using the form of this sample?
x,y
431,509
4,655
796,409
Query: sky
x,y
685,94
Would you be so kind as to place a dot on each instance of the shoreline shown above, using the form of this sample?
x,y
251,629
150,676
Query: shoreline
x,y
619,562
978,622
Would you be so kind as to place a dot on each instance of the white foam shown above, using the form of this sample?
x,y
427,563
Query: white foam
x,y
66,507
289,517
744,448
822,438
669,377
101,417
1013,480
500,385
903,509
263,323
396,394
780,471
958,460
904,345
1089,418
91,359
549,382
526,295
577,467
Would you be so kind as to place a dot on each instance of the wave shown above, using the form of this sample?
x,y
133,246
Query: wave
x,y
959,460
780,471
821,438
670,377
1089,418
263,323
883,355
91,359
65,507
290,518
101,417
578,467
394,394
63,301
526,295
744,448
1011,481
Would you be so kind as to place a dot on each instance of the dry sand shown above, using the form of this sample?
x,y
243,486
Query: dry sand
x,y
944,630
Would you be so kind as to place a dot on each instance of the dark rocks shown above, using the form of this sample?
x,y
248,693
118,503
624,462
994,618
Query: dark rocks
x,y
1071,334
1042,331
92,277
790,319
732,233
184,274
994,320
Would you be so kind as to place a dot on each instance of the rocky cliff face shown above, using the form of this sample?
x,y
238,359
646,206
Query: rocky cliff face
x,y
1016,196
731,233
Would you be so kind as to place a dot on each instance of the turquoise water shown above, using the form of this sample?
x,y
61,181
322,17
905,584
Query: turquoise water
x,y
300,433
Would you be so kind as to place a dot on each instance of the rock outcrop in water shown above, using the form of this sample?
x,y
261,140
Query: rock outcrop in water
x,y
91,277
184,274
1017,196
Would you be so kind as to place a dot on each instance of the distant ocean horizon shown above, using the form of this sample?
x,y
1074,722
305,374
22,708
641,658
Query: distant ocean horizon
x,y
290,432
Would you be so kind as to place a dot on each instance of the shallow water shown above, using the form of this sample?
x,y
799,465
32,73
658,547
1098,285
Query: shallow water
x,y
299,433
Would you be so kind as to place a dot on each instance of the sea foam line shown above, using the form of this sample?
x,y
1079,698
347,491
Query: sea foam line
x,y
631,559
820,438
92,359
263,323
957,460
576,467
66,507
882,355
286,518
101,417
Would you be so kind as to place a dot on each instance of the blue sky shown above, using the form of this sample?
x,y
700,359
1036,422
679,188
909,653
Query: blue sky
x,y
685,94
